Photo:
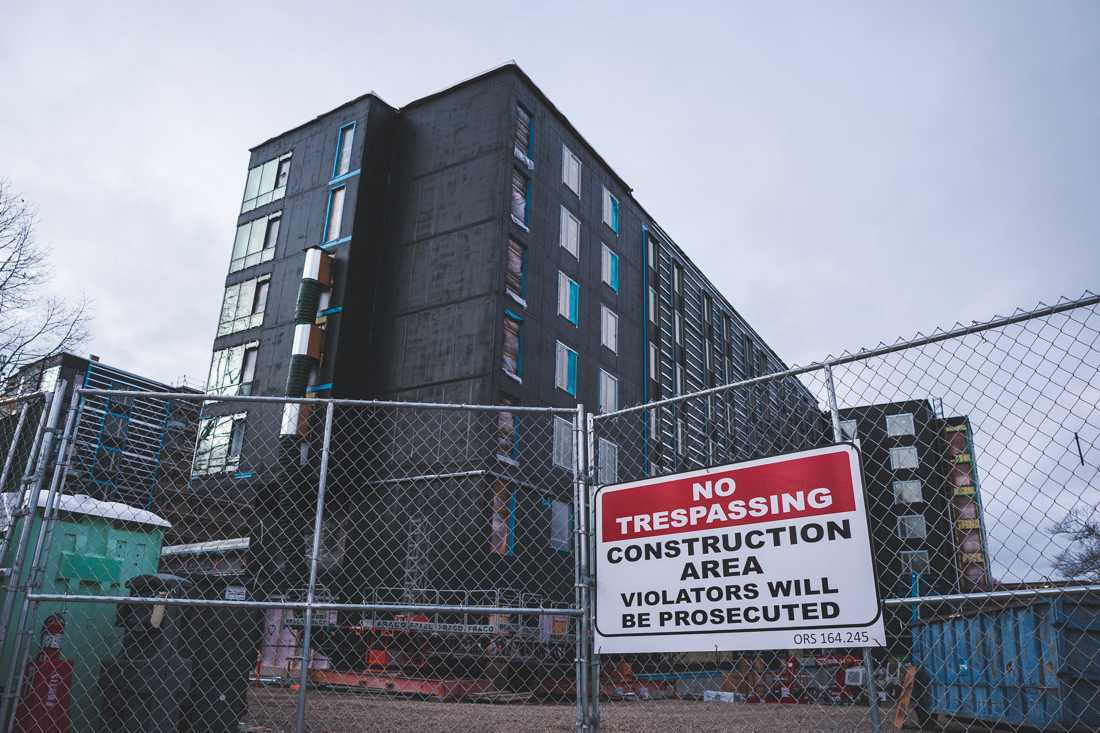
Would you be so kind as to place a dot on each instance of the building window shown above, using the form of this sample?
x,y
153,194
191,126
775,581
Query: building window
x,y
521,190
232,370
508,435
243,305
571,170
341,163
678,326
524,135
654,361
513,345
653,316
569,294
849,429
570,233
678,379
609,268
266,183
560,521
218,449
609,392
609,328
913,562
502,525
563,443
608,466
903,457
901,424
565,371
907,492
255,242
610,210
652,245
334,214
681,435
912,527
515,271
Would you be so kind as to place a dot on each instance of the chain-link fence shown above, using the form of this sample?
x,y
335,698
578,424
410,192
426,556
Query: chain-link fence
x,y
192,562
305,559
979,454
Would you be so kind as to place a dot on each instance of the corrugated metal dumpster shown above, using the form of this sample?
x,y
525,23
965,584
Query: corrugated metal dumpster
x,y
97,547
1033,663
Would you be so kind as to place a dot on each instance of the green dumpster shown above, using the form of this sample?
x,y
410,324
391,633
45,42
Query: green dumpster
x,y
97,546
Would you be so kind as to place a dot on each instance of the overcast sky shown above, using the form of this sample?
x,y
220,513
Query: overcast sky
x,y
845,175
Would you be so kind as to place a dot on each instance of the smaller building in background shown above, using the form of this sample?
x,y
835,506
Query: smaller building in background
x,y
132,450
922,496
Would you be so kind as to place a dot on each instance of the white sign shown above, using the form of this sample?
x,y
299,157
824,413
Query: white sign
x,y
766,554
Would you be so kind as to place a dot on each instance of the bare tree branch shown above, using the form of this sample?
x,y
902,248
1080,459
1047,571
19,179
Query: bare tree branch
x,y
1082,558
32,324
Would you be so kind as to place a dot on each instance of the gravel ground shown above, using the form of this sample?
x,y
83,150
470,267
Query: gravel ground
x,y
272,711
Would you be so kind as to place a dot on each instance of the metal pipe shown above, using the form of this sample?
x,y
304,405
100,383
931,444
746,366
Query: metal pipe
x,y
301,605
432,476
318,523
592,476
10,458
193,396
580,582
13,680
868,660
869,353
996,594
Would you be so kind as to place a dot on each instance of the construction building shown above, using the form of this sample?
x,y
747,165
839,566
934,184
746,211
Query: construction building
x,y
469,247
131,450
923,502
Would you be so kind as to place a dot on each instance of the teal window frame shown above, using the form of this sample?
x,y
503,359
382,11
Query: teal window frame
x,y
570,369
336,172
518,320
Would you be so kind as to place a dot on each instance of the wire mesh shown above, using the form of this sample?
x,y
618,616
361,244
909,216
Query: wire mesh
x,y
272,558
978,450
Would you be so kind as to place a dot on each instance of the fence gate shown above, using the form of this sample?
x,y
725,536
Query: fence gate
x,y
979,450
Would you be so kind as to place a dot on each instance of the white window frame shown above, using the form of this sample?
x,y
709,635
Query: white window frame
x,y
849,429
606,253
608,467
609,391
565,286
608,197
570,170
561,366
561,522
904,530
898,463
904,488
907,564
563,444
570,225
609,328
907,424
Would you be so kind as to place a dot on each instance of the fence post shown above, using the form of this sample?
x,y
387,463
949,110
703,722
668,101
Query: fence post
x,y
868,660
318,520
591,479
580,567
13,680
10,457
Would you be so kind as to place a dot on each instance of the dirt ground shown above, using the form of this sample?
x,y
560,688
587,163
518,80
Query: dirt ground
x,y
272,711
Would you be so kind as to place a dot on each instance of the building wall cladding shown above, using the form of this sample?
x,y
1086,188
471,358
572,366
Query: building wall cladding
x,y
421,281
885,511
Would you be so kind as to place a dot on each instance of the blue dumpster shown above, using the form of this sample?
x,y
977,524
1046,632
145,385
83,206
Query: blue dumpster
x,y
1033,663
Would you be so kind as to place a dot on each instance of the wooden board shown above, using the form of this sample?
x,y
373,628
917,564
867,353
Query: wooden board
x,y
906,698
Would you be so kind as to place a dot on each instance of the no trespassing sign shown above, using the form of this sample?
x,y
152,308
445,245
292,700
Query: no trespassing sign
x,y
767,554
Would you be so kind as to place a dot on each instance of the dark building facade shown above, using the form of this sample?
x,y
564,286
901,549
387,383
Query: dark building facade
x,y
131,450
471,247
923,503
